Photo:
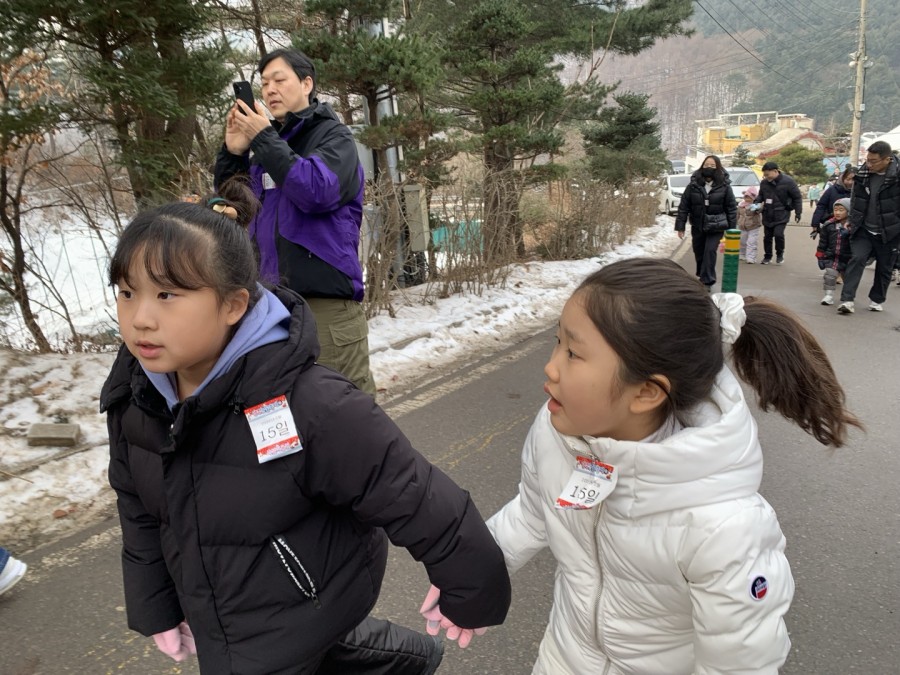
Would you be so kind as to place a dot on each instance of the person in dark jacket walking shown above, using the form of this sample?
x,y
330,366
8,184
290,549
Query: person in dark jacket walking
x,y
257,489
709,205
833,251
874,226
306,172
840,189
779,195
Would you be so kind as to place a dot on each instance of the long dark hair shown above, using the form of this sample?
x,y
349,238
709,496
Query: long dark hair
x,y
660,321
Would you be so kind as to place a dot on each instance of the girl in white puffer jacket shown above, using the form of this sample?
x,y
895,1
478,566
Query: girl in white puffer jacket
x,y
641,474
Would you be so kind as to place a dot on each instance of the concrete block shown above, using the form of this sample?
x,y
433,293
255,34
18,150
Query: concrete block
x,y
53,434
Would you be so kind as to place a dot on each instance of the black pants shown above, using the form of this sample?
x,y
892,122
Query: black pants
x,y
865,245
705,248
374,647
775,232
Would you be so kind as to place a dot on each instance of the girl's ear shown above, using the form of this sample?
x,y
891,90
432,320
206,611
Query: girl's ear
x,y
236,306
651,394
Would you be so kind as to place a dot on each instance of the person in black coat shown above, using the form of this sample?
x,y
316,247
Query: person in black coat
x,y
706,199
256,489
840,189
779,195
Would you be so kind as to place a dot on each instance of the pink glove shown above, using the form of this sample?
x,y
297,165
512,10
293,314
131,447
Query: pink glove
x,y
434,620
177,643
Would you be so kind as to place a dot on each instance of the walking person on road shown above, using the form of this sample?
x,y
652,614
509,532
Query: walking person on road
x,y
256,489
833,251
837,190
874,226
708,204
11,570
779,195
641,474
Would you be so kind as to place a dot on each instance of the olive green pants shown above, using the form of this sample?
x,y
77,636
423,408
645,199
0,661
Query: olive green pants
x,y
344,339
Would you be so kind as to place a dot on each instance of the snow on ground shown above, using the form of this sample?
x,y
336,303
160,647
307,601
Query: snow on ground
x,y
41,500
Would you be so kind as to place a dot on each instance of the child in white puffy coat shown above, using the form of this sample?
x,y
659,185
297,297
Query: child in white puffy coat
x,y
641,474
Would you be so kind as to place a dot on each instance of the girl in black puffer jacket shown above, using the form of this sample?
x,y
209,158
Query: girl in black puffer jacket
x,y
707,199
257,489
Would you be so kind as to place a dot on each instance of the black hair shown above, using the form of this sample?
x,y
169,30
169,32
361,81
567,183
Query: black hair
x,y
720,170
301,64
660,321
880,148
189,246
770,166
850,170
236,193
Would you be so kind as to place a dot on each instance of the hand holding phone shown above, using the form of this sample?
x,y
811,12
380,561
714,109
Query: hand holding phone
x,y
243,92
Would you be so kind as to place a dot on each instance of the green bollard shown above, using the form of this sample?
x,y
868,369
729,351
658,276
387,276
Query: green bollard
x,y
731,260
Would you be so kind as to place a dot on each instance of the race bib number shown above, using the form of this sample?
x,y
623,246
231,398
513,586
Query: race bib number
x,y
273,429
268,183
590,483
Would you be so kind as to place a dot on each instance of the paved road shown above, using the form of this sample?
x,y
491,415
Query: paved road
x,y
839,511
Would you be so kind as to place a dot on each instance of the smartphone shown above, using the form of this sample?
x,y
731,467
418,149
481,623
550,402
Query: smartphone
x,y
243,92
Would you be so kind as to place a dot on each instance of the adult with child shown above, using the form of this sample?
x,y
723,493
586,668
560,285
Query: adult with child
x,y
256,488
840,189
749,223
305,170
709,205
874,226
833,251
641,474
779,195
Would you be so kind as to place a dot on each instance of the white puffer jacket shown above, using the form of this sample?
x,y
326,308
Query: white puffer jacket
x,y
681,569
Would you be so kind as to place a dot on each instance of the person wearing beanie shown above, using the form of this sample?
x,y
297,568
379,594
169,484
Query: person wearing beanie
x,y
833,251
838,189
874,225
749,223
779,195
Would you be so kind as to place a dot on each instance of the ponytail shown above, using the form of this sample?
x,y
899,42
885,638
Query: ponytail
x,y
789,370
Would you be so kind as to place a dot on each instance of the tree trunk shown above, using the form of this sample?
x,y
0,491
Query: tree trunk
x,y
502,228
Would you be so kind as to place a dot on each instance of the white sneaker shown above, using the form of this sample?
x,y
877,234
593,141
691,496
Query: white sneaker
x,y
875,307
12,574
846,307
828,299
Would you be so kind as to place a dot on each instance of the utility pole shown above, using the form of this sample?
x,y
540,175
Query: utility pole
x,y
859,60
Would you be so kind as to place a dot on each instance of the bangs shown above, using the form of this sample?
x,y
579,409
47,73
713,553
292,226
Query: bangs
x,y
173,255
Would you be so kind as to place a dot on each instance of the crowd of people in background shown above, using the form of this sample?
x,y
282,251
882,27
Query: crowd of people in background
x,y
856,218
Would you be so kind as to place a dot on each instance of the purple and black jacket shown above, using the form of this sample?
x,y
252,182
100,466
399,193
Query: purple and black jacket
x,y
307,175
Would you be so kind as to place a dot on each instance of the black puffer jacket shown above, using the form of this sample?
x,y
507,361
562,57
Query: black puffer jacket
x,y
779,198
693,208
200,515
888,201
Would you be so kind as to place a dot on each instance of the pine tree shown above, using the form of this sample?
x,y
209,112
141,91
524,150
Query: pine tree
x,y
145,72
741,157
803,164
625,144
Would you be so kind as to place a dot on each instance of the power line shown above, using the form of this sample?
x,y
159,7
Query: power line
x,y
744,48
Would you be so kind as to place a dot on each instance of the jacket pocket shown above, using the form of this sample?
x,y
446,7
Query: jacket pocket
x,y
295,569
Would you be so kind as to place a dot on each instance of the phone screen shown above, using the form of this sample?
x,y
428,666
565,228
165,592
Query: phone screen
x,y
243,92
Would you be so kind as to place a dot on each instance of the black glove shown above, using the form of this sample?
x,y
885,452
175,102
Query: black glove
x,y
822,264
797,218
813,234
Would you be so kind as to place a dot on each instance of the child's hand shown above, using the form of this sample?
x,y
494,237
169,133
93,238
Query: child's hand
x,y
434,621
176,643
